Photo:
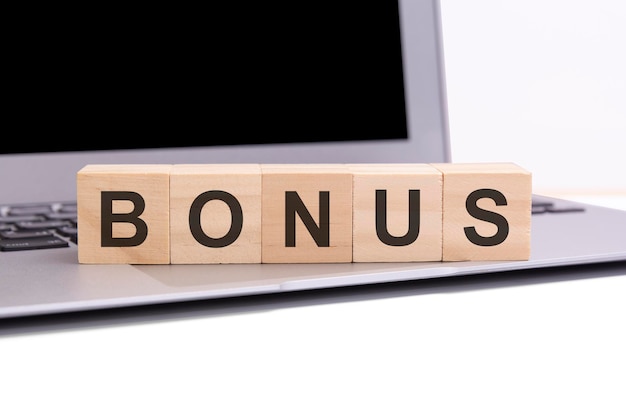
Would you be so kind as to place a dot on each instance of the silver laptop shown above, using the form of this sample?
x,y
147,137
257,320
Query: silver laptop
x,y
310,85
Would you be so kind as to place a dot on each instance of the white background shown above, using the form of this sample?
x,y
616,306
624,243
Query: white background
x,y
540,83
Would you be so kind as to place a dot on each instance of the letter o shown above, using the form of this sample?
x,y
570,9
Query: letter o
x,y
236,224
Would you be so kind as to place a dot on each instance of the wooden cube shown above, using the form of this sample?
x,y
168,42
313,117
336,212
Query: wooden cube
x,y
123,214
307,213
215,213
486,211
396,213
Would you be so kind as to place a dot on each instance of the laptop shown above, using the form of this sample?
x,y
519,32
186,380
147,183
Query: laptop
x,y
314,83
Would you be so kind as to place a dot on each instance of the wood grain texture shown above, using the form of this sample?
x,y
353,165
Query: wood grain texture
x,y
484,182
227,199
308,183
151,182
404,242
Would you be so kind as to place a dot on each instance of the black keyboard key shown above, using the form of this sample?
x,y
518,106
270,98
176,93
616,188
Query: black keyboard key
x,y
44,224
542,206
61,215
11,245
20,234
68,208
68,231
22,218
25,210
566,209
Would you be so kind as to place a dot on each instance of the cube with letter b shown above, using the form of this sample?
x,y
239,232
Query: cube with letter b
x,y
123,214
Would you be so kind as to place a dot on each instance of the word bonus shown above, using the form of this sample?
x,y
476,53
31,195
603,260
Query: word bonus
x,y
302,213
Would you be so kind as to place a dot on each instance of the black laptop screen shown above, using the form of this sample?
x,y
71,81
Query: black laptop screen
x,y
311,72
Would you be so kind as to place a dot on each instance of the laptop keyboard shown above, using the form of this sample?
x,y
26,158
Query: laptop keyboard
x,y
543,205
53,225
37,226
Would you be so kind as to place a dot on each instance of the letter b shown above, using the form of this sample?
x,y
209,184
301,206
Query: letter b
x,y
108,218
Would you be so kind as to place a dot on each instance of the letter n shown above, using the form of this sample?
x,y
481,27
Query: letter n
x,y
320,232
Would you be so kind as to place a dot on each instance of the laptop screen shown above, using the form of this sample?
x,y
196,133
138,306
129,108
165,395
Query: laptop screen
x,y
335,82
314,72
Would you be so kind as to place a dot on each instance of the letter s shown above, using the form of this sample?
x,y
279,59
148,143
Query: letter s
x,y
488,216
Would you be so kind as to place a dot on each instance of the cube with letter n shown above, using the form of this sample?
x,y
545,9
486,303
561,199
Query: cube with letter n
x,y
307,213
